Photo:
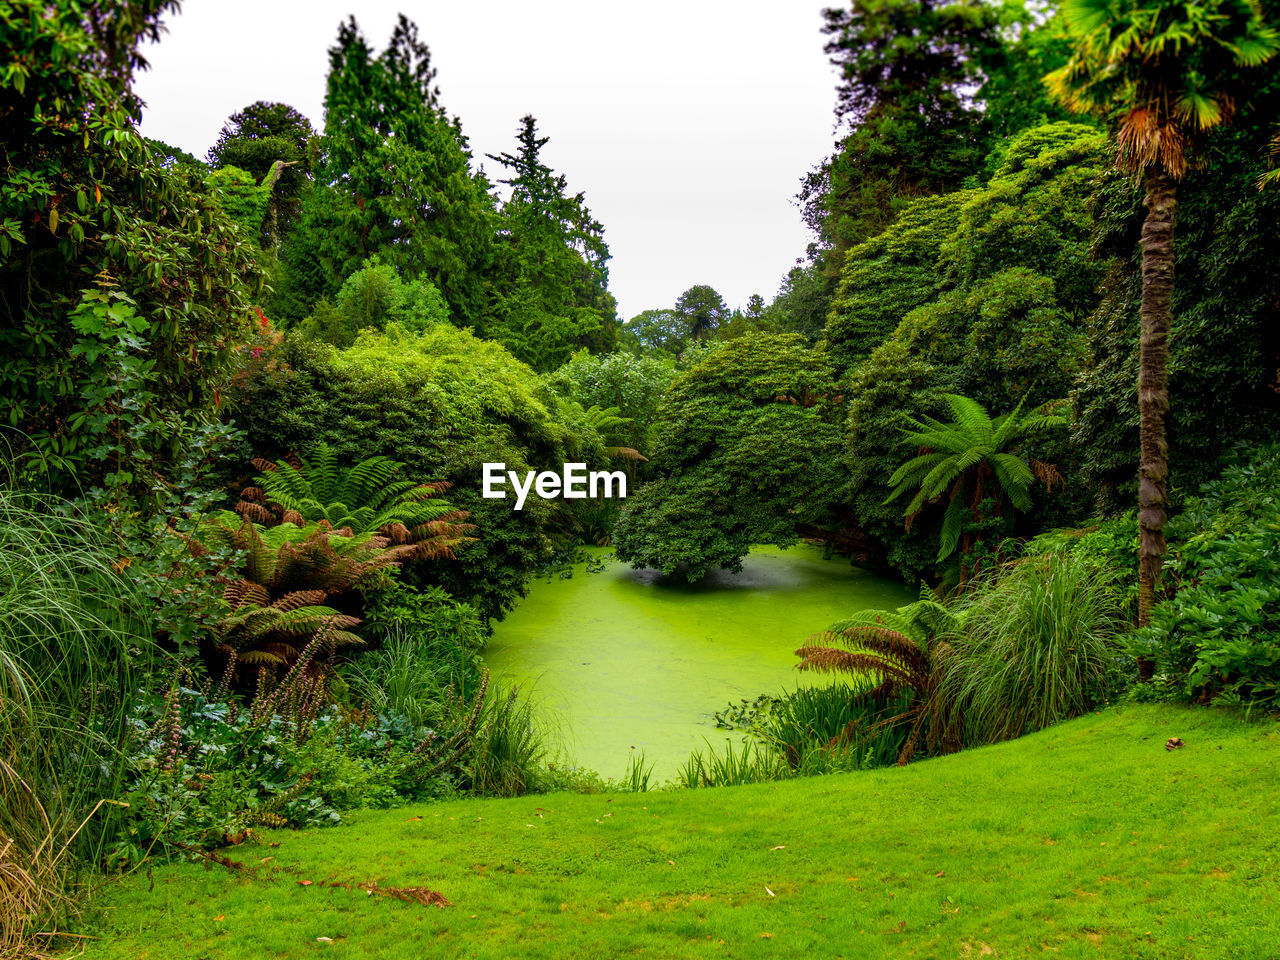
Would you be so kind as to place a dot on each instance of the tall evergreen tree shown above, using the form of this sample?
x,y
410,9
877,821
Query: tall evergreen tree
x,y
394,179
553,272
905,107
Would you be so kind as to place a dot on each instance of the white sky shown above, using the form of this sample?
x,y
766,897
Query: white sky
x,y
687,123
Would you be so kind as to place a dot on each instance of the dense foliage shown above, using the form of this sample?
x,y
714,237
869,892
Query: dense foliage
x,y
92,222
443,402
745,452
246,568
1218,637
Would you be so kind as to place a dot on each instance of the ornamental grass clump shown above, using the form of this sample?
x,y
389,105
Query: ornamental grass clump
x,y
71,656
1039,637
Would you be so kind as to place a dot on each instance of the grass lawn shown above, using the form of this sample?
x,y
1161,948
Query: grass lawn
x,y
1087,840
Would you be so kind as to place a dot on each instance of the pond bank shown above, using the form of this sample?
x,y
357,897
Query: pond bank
x,y
627,661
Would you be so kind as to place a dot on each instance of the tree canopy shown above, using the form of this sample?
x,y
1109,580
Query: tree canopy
x,y
746,452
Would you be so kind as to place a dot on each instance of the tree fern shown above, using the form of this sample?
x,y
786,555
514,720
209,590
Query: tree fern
x,y
362,499
899,651
967,460
277,606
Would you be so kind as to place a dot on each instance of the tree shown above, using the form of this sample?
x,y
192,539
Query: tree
x,y
394,179
702,311
552,263
746,452
117,264
255,139
1166,73
907,69
802,302
655,331
1032,217
969,461
887,276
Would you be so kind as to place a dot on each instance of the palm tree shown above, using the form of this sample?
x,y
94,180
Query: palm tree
x,y
967,461
1166,72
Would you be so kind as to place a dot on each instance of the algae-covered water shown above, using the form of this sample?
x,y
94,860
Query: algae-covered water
x,y
627,660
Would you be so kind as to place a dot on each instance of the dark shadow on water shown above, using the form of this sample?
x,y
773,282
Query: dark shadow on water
x,y
758,573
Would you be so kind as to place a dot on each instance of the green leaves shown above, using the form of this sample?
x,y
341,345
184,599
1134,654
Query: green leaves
x,y
961,458
85,196
1219,635
1166,71
747,450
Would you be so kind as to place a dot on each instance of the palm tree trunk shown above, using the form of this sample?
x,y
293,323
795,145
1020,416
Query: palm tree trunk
x,y
1153,388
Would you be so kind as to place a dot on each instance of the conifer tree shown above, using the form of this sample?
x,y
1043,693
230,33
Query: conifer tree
x,y
394,179
553,273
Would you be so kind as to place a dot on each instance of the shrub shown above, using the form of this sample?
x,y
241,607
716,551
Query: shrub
x,y
1111,544
825,729
424,644
87,201
1218,637
368,497
278,611
204,773
442,402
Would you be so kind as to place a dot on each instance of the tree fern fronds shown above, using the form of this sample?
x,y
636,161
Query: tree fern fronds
x,y
261,658
299,598
972,415
971,458
952,527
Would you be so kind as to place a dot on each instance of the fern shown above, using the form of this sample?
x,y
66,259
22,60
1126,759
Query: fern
x,y
901,651
362,499
278,604
965,461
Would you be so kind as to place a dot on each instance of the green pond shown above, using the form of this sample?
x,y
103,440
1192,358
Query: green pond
x,y
627,660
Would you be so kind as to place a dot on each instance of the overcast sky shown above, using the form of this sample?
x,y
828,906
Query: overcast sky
x,y
687,123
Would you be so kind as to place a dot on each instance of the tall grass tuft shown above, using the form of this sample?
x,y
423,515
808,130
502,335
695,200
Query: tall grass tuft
x,y
751,763
71,657
508,750
835,728
639,772
1037,640
404,676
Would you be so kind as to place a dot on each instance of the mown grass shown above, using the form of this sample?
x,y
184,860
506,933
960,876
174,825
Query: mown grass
x,y
1086,840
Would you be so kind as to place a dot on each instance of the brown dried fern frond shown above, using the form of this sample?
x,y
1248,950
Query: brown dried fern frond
x,y
835,660
254,512
299,598
243,593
